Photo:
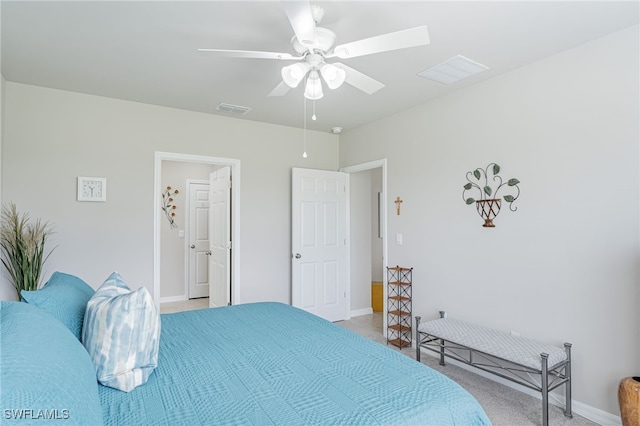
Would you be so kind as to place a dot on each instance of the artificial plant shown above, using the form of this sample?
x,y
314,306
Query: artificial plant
x,y
22,245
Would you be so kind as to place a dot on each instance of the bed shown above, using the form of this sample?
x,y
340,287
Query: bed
x,y
255,364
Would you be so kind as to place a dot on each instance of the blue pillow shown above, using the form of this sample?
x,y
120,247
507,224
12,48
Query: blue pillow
x,y
121,332
46,375
65,297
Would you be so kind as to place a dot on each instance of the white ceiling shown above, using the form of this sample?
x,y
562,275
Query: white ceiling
x,y
145,51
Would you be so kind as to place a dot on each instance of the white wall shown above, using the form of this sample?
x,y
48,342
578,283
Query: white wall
x,y
565,265
53,136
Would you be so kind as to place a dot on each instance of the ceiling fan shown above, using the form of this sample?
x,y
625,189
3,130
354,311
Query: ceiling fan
x,y
314,45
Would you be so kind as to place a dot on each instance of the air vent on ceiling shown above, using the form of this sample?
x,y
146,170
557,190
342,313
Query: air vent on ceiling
x,y
232,109
452,70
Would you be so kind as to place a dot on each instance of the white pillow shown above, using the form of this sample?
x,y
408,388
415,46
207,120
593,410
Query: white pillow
x,y
121,332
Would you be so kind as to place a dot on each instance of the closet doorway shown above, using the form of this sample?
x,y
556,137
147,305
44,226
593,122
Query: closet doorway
x,y
367,245
172,260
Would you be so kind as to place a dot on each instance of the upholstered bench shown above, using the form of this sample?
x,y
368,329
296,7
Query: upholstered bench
x,y
514,358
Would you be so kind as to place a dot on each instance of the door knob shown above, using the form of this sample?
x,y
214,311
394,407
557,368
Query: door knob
x,y
193,246
208,253
298,255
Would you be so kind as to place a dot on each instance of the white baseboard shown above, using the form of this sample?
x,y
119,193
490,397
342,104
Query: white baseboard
x,y
594,414
170,299
360,312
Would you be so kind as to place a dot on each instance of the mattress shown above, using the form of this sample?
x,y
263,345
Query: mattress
x,y
272,364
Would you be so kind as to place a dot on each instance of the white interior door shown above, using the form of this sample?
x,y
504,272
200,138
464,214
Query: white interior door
x,y
220,237
198,260
319,252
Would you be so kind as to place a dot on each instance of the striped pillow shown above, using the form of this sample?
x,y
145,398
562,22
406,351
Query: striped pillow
x,y
121,332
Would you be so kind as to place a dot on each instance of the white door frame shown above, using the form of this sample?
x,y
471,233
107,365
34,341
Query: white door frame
x,y
235,215
361,168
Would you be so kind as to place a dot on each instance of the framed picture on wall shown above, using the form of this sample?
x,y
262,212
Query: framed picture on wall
x,y
92,189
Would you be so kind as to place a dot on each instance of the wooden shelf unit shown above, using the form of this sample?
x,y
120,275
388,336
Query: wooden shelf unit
x,y
399,318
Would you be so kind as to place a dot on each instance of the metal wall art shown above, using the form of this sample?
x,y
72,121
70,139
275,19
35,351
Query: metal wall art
x,y
487,183
168,207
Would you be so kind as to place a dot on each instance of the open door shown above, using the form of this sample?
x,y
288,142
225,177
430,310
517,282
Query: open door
x,y
199,245
220,237
319,243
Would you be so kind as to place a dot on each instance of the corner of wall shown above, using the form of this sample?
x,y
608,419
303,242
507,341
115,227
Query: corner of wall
x,y
7,292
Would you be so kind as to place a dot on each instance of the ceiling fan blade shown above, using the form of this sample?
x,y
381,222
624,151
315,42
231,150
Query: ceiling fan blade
x,y
359,80
412,37
280,90
251,54
302,22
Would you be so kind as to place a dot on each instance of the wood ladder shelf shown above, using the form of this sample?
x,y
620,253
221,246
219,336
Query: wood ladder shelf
x,y
399,282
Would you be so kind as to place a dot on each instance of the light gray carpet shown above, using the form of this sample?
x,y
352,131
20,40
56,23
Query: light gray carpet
x,y
503,405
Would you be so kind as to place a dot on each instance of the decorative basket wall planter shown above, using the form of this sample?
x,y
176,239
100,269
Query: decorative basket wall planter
x,y
487,183
488,210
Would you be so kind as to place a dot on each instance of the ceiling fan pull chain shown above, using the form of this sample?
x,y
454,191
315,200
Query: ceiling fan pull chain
x,y
304,121
313,117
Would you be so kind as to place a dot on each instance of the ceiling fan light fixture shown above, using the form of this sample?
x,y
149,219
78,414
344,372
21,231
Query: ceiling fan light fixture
x,y
292,75
314,44
313,89
333,75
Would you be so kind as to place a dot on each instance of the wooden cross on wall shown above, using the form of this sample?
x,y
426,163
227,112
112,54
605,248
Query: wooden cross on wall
x,y
398,201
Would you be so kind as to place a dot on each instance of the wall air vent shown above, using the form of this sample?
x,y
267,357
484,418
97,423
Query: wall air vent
x,y
453,70
232,109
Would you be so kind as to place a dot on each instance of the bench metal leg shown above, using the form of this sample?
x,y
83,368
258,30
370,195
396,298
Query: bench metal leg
x,y
418,339
567,385
544,384
442,315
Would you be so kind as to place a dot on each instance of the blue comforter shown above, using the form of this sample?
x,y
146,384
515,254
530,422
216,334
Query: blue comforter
x,y
272,364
